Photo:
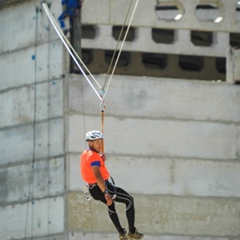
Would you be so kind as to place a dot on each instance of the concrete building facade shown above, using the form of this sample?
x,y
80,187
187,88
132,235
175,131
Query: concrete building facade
x,y
172,142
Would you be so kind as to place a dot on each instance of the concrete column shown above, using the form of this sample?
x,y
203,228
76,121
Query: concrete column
x,y
233,61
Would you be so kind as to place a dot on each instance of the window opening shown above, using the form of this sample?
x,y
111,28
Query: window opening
x,y
202,38
191,63
89,31
116,30
163,35
170,10
210,10
124,59
154,60
221,65
87,56
235,39
238,5
238,11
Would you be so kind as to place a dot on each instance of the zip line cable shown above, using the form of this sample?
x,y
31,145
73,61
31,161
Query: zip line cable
x,y
60,34
119,53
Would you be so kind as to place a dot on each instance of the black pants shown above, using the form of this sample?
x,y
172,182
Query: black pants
x,y
118,195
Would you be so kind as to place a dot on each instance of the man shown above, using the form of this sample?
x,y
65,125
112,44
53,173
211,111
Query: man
x,y
95,173
71,7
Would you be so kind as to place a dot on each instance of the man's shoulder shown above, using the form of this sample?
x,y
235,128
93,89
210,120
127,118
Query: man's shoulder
x,y
90,154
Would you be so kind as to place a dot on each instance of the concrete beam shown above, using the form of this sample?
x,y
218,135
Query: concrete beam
x,y
33,29
31,64
167,176
183,139
42,178
17,105
22,221
157,98
160,215
22,138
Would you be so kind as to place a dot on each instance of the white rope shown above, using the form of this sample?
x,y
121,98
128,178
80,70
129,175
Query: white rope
x,y
119,53
68,46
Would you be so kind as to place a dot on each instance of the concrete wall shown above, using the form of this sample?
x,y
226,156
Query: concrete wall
x,y
32,154
173,144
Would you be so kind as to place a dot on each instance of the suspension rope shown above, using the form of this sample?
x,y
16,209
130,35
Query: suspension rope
x,y
119,53
102,121
104,91
118,42
75,53
60,34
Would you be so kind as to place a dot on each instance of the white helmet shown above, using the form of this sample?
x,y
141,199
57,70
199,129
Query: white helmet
x,y
94,135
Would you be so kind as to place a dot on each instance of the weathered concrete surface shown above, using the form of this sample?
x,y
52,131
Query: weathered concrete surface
x,y
173,144
155,98
43,179
233,60
17,105
180,177
34,26
165,214
166,138
20,221
31,88
49,132
30,65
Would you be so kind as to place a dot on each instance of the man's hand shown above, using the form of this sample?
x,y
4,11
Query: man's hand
x,y
108,198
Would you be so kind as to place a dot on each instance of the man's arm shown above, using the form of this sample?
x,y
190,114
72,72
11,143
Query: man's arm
x,y
101,184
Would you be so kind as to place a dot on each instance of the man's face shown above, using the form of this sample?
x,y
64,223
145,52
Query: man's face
x,y
96,145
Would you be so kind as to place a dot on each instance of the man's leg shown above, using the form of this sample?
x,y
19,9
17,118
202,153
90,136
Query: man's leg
x,y
97,194
123,197
61,19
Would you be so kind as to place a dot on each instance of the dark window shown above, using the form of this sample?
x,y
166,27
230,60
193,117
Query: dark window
x,y
201,38
88,31
221,65
235,39
154,60
87,56
116,31
191,63
163,35
206,6
123,61
166,7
